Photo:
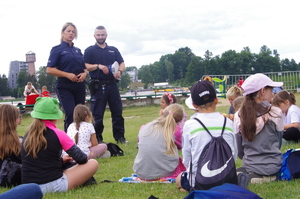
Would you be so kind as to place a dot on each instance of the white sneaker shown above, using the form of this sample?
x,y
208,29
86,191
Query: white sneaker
x,y
106,154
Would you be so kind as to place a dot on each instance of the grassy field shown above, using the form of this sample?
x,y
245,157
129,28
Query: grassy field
x,y
115,168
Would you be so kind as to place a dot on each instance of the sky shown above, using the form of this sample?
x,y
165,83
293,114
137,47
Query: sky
x,y
143,31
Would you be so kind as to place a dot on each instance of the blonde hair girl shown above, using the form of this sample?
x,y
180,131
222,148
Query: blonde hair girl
x,y
158,155
83,133
231,95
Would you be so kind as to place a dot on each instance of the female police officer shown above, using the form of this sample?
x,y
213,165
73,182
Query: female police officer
x,y
67,64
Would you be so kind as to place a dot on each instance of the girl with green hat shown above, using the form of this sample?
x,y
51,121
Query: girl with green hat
x,y
41,152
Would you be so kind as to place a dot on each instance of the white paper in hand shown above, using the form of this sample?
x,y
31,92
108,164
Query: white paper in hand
x,y
114,68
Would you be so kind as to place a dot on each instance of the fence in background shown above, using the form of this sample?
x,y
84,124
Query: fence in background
x,y
290,79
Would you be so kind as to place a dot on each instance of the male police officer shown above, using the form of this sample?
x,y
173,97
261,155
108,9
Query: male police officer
x,y
103,85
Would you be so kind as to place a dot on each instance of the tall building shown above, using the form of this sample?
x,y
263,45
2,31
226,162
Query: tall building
x,y
16,66
30,58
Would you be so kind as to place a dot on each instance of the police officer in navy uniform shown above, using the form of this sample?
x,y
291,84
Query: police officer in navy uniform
x,y
67,64
103,84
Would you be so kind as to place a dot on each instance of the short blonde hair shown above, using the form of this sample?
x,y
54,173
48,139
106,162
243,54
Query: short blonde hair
x,y
234,91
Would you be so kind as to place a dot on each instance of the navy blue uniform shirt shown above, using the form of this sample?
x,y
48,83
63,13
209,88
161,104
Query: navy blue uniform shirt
x,y
66,58
104,56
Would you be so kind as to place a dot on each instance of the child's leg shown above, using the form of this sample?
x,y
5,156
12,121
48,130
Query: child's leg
x,y
97,151
178,181
182,187
80,173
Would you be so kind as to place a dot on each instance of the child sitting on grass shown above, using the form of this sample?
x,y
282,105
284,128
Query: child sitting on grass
x,y
83,133
166,100
41,152
195,137
231,95
158,155
258,127
286,101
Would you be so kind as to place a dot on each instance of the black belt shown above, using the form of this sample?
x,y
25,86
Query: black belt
x,y
106,82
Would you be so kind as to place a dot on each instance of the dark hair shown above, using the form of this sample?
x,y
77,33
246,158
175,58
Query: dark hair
x,y
167,100
100,27
282,96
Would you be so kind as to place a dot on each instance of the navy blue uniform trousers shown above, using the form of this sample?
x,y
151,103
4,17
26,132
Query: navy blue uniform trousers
x,y
70,94
109,95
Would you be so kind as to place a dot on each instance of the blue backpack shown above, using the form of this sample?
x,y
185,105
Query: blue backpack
x,y
216,164
290,165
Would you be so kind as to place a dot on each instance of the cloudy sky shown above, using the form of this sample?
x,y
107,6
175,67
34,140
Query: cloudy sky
x,y
143,31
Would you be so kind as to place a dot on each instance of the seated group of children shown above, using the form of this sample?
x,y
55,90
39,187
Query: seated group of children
x,y
254,134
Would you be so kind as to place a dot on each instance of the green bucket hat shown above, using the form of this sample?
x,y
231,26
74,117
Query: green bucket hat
x,y
46,108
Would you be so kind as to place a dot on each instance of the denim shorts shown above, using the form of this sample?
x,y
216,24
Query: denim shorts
x,y
59,185
184,181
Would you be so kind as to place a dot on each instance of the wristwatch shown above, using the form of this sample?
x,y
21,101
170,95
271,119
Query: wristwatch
x,y
120,71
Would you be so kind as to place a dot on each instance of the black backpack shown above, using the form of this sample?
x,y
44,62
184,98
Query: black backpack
x,y
216,164
114,150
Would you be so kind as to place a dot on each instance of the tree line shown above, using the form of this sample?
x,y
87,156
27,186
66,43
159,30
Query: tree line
x,y
184,67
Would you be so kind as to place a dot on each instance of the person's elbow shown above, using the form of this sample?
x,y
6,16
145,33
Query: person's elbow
x,y
49,70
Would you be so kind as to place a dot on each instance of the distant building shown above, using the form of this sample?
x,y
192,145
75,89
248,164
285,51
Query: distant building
x,y
30,58
133,75
16,66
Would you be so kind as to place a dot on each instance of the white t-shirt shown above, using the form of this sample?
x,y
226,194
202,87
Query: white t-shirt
x,y
195,138
84,135
293,115
27,90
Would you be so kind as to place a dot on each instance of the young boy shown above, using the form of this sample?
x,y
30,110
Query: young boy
x,y
195,137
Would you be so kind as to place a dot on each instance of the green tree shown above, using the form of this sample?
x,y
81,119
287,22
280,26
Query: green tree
x,y
45,79
170,71
230,62
22,80
247,61
194,70
146,76
4,87
180,62
125,81
130,68
265,62
157,72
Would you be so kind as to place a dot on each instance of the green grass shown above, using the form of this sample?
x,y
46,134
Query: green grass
x,y
115,168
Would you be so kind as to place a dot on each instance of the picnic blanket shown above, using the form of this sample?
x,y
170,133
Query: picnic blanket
x,y
135,179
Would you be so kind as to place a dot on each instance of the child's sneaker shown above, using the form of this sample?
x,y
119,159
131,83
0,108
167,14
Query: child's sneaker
x,y
258,179
106,154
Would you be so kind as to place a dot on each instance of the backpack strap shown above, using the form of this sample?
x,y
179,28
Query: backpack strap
x,y
224,124
191,166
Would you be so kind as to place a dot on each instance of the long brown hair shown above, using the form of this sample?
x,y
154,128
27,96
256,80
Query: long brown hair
x,y
248,114
282,96
79,115
9,139
166,123
35,140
